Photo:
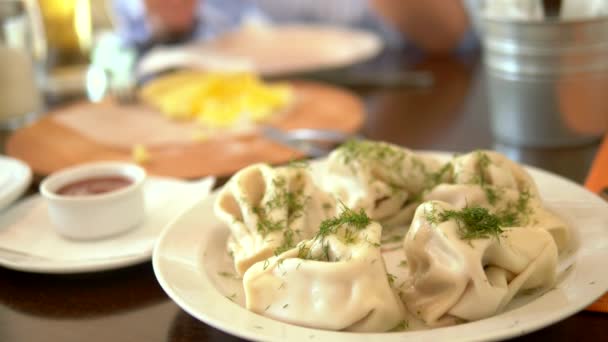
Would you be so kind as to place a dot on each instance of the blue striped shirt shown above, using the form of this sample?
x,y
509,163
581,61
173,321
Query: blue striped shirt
x,y
217,16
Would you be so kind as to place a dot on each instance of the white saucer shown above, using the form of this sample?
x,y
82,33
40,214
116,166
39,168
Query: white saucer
x,y
28,242
15,177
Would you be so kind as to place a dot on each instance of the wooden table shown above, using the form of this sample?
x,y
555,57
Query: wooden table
x,y
129,305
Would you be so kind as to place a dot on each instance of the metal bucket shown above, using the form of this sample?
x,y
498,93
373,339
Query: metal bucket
x,y
548,80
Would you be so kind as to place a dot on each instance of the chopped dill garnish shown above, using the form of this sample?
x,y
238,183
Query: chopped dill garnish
x,y
232,297
436,178
279,182
416,198
474,222
303,251
517,213
528,292
265,225
358,220
280,263
326,251
401,326
373,244
484,159
490,194
403,263
227,275
348,219
375,152
484,162
285,306
266,264
299,163
418,164
391,278
392,239
284,198
430,215
522,201
395,188
349,237
288,242
479,178
327,206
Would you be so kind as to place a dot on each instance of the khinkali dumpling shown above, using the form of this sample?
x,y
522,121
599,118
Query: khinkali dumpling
x,y
490,180
269,210
335,281
484,178
492,169
383,179
463,265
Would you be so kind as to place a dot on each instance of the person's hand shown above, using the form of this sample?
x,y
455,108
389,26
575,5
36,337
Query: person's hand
x,y
433,25
171,17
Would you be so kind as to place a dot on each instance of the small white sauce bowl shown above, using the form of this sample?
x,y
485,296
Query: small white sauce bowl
x,y
99,215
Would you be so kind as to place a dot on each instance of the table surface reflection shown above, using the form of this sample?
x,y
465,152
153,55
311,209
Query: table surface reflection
x,y
129,305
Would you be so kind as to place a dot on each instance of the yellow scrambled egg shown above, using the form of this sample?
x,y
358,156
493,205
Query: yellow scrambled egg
x,y
140,154
216,100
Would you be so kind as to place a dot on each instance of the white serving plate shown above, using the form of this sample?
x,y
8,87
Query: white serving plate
x,y
190,262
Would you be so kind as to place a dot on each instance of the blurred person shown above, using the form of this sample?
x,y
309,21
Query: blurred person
x,y
436,26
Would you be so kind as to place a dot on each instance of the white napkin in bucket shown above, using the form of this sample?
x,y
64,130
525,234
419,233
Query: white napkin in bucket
x,y
513,9
577,9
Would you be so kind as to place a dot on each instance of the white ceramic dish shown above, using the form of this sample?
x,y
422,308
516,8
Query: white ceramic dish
x,y
100,215
28,241
15,177
269,50
191,263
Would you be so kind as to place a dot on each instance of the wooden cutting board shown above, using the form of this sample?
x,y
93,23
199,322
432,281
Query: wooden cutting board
x,y
49,145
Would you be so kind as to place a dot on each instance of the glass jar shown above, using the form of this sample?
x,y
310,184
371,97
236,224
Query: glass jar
x,y
21,50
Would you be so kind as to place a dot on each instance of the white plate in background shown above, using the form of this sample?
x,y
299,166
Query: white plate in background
x,y
269,50
28,241
15,177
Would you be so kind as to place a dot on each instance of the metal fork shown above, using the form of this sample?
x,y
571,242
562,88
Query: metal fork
x,y
312,142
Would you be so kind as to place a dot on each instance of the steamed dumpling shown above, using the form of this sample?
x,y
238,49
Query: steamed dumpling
x,y
269,211
484,178
456,271
383,179
490,180
493,169
335,281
